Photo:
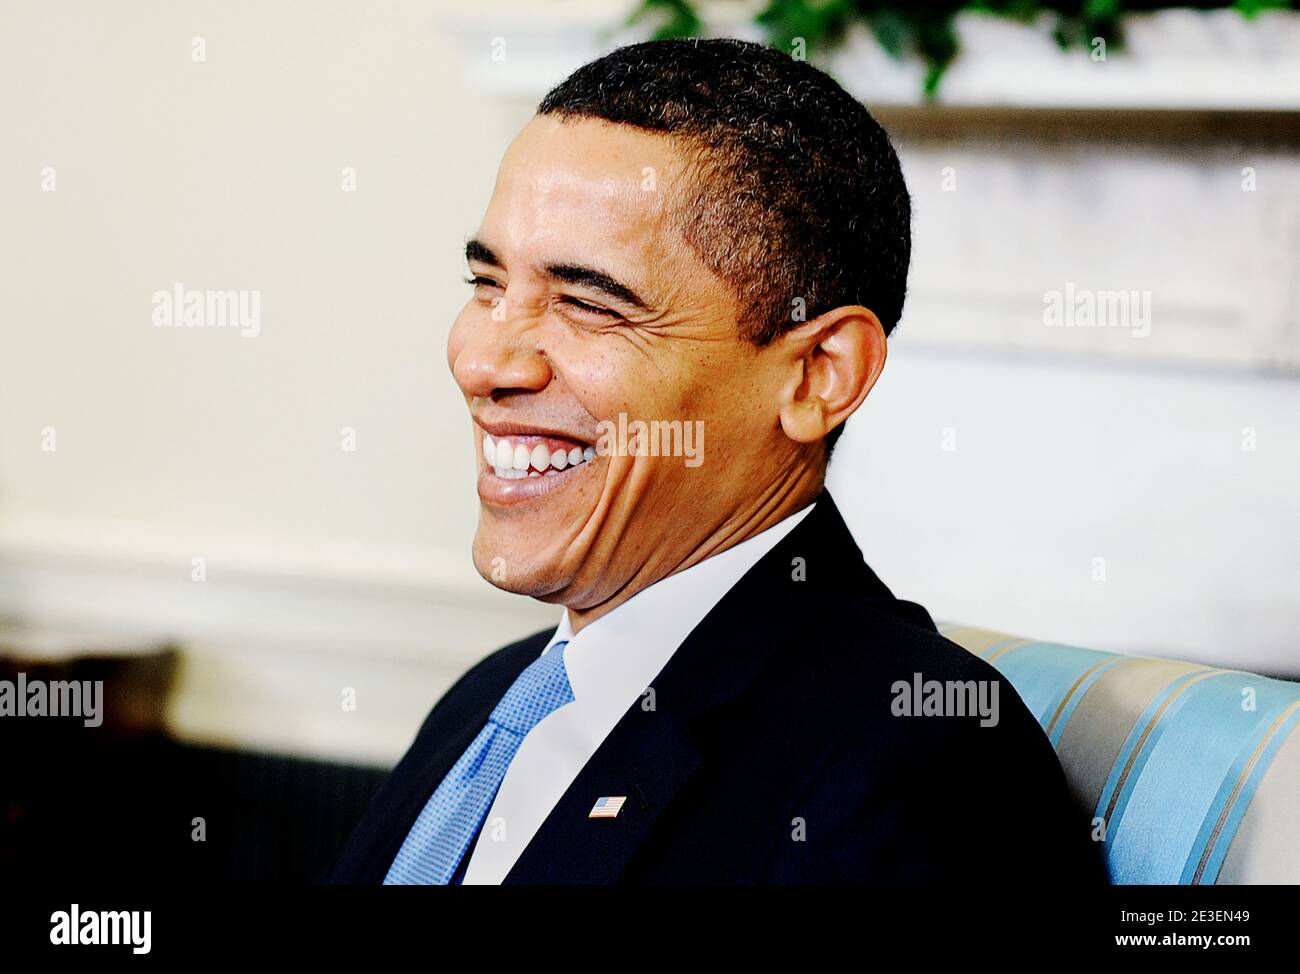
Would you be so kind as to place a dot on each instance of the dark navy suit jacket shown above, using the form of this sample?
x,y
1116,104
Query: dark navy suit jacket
x,y
773,754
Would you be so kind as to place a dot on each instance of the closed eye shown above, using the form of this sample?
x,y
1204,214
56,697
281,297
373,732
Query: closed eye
x,y
586,308
478,280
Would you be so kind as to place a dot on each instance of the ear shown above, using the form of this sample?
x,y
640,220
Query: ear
x,y
831,362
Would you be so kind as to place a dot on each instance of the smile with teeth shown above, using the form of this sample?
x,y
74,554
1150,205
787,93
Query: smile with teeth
x,y
513,458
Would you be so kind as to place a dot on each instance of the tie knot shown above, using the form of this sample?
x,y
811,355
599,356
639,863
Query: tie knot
x,y
541,688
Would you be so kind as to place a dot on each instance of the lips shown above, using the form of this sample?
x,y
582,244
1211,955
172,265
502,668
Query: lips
x,y
520,463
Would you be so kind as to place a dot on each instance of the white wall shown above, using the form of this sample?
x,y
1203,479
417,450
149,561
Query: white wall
x,y
226,174
1174,457
329,569
984,489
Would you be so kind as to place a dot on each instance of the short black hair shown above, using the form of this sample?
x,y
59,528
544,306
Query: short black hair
x,y
797,199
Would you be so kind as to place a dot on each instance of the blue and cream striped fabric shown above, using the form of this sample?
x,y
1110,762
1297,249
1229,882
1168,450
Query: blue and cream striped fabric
x,y
1193,770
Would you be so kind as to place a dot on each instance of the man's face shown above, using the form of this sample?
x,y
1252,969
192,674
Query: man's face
x,y
589,304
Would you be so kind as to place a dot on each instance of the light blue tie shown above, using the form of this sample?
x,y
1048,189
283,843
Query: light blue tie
x,y
441,835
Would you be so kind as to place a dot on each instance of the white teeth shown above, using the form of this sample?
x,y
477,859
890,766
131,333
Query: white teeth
x,y
511,461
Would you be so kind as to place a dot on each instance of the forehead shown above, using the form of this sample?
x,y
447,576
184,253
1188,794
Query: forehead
x,y
582,186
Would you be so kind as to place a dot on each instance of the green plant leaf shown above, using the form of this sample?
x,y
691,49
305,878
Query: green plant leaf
x,y
677,18
927,29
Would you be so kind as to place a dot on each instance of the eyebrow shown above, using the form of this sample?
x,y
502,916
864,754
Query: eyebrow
x,y
580,274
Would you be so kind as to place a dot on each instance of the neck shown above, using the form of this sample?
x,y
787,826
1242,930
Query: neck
x,y
766,510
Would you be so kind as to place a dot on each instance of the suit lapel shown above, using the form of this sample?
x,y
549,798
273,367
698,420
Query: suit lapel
x,y
651,754
647,766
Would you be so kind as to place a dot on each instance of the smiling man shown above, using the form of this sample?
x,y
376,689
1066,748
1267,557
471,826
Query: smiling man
x,y
703,236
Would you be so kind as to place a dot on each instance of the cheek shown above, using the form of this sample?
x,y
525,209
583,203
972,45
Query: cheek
x,y
726,395
600,371
608,375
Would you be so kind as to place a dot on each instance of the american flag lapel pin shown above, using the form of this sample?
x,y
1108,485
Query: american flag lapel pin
x,y
607,807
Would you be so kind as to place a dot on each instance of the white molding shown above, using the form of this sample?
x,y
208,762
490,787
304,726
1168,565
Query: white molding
x,y
1173,59
273,634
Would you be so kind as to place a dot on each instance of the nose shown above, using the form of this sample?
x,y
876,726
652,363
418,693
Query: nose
x,y
492,358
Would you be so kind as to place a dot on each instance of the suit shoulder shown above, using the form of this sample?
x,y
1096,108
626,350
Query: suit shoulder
x,y
891,636
921,717
881,658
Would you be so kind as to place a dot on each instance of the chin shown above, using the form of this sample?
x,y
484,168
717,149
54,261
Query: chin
x,y
538,581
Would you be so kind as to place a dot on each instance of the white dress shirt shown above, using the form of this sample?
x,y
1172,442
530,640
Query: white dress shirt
x,y
610,663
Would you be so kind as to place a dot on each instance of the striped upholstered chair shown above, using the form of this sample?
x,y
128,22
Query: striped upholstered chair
x,y
1194,769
